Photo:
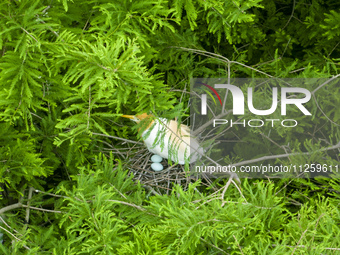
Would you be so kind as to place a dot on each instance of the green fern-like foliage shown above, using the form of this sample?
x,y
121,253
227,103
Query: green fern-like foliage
x,y
70,69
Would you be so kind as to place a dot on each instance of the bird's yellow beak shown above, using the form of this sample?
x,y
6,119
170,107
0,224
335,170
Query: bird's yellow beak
x,y
131,117
128,116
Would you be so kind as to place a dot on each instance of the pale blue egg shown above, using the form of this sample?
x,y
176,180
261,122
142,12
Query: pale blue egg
x,y
156,166
156,159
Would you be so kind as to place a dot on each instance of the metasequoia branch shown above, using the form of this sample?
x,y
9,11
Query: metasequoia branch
x,y
19,205
337,146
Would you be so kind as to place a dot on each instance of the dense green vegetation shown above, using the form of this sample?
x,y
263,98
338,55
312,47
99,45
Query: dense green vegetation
x,y
71,176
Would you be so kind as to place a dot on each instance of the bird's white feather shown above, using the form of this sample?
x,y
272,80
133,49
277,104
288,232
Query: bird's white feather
x,y
169,140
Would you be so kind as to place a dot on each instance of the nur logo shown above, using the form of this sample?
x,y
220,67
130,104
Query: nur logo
x,y
238,99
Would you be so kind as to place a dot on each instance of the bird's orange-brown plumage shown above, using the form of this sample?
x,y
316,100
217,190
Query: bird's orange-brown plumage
x,y
176,141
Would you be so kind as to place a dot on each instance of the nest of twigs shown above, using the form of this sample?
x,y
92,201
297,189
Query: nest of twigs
x,y
159,181
137,159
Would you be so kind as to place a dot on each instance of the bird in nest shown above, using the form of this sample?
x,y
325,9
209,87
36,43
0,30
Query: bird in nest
x,y
167,138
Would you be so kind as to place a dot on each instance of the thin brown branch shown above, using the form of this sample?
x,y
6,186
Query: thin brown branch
x,y
214,246
291,16
10,207
284,155
118,138
326,82
238,245
27,248
132,205
30,193
29,34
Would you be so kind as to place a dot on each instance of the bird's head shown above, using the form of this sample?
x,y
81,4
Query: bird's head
x,y
138,118
144,121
